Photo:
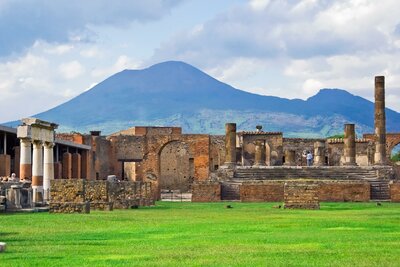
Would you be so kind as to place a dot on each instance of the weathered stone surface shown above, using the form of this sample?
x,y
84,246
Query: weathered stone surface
x,y
230,144
69,207
380,121
262,192
206,192
67,190
301,195
395,191
349,145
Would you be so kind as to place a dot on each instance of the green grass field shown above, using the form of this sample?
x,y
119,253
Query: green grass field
x,y
194,234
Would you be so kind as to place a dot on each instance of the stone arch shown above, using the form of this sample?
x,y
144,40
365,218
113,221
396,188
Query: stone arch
x,y
176,167
392,140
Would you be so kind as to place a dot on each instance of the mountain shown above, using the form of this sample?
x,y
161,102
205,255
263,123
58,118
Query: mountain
x,y
177,94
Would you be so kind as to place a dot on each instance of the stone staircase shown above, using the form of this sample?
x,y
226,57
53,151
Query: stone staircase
x,y
230,191
335,173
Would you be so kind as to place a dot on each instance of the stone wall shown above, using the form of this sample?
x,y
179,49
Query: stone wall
x,y
300,145
344,191
364,152
261,192
395,191
273,147
101,195
206,192
301,195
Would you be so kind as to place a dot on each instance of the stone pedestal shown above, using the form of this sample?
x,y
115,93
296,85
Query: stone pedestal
x,y
37,172
5,165
380,121
301,195
14,198
259,159
230,145
290,158
319,153
349,145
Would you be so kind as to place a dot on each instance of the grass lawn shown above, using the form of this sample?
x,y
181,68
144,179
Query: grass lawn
x,y
197,234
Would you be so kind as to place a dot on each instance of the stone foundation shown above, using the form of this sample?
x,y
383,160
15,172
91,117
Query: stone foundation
x,y
301,195
206,192
69,207
262,192
395,191
344,191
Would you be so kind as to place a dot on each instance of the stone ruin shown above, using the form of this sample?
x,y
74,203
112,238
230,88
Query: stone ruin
x,y
301,195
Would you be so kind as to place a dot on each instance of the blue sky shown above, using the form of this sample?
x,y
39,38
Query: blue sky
x,y
51,51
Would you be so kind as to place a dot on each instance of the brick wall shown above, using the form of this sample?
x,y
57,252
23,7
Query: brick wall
x,y
262,192
206,192
301,195
395,191
343,191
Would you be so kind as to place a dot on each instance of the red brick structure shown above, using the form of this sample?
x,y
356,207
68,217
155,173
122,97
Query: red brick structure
x,y
206,192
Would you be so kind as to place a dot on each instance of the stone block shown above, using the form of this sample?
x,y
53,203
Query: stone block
x,y
2,246
206,192
301,195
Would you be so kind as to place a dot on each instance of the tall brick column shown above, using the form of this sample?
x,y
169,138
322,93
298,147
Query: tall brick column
x,y
230,144
319,153
25,165
48,171
67,165
380,121
259,153
37,172
349,145
76,166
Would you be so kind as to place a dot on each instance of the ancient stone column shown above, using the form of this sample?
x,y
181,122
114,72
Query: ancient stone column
x,y
290,158
230,144
349,145
380,121
25,165
37,172
319,153
48,171
259,153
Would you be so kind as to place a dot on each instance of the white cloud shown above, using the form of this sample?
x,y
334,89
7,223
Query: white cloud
x,y
71,70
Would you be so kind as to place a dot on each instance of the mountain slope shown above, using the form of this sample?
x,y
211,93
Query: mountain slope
x,y
175,93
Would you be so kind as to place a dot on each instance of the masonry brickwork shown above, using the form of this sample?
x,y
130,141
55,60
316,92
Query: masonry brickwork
x,y
206,192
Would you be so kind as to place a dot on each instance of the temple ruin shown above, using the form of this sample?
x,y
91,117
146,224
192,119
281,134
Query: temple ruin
x,y
240,165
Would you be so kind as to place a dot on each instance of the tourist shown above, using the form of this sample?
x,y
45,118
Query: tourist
x,y
309,158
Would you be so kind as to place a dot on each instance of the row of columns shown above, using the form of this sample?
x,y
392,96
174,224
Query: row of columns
x,y
40,166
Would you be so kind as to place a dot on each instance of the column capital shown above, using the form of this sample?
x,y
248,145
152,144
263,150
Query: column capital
x,y
25,140
49,145
37,142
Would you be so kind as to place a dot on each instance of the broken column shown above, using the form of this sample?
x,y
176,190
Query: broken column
x,y
37,172
230,144
290,158
380,121
319,153
25,165
259,153
349,145
48,172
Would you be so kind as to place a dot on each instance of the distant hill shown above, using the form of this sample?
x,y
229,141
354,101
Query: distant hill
x,y
177,94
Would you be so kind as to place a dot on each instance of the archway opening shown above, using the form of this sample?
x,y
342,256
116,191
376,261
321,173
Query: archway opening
x,y
395,153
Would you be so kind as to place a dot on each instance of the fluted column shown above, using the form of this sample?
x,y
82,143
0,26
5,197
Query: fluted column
x,y
349,145
48,170
319,153
37,172
259,159
25,164
380,121
230,144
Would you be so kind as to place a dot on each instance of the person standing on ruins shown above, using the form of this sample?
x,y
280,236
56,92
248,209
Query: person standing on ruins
x,y
309,158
